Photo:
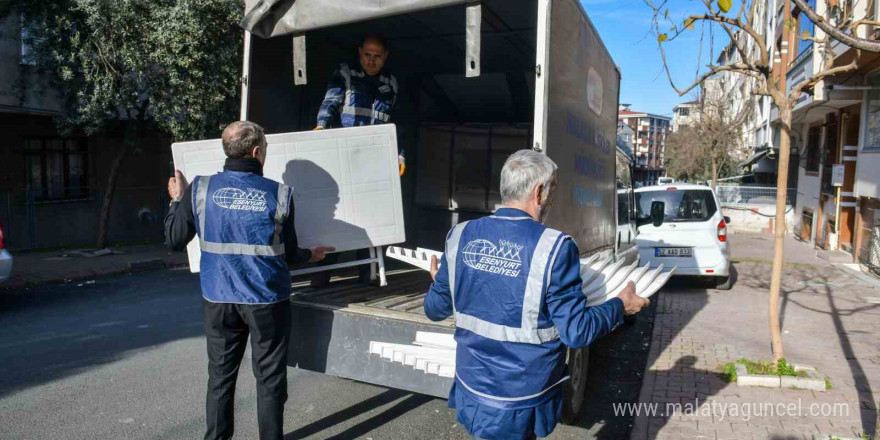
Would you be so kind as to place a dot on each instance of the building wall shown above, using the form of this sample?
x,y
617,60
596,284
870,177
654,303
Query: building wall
x,y
140,199
808,184
22,87
28,108
867,175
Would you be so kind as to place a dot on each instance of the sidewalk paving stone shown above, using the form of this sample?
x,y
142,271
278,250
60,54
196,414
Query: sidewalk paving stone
x,y
827,323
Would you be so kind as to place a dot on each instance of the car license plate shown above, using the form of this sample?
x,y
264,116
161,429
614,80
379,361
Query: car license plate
x,y
673,252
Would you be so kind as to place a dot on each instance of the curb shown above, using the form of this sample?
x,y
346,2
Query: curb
x,y
141,267
859,275
813,381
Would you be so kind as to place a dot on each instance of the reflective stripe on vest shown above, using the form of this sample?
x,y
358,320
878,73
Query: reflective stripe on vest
x,y
274,250
510,399
451,255
509,218
539,273
361,111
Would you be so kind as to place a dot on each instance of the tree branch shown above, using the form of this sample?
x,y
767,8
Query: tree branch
x,y
853,27
837,34
811,81
759,39
735,42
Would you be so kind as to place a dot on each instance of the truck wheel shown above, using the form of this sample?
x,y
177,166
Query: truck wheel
x,y
724,283
574,388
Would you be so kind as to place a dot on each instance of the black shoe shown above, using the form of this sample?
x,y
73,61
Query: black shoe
x,y
320,279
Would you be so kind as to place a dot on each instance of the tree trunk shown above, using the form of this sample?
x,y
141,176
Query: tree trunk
x,y
779,232
110,189
714,174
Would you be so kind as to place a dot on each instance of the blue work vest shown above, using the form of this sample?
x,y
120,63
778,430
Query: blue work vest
x,y
239,218
509,354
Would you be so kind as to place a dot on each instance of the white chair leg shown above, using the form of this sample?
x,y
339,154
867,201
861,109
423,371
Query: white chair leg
x,y
380,255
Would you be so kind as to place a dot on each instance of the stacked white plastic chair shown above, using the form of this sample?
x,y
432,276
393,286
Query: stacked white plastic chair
x,y
434,353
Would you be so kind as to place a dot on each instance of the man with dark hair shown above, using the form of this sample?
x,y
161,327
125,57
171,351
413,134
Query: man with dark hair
x,y
357,97
245,225
360,96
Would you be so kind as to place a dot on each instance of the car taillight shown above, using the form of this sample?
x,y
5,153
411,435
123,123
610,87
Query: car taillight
x,y
2,244
671,188
722,231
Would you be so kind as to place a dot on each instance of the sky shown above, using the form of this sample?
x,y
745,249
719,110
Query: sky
x,y
625,26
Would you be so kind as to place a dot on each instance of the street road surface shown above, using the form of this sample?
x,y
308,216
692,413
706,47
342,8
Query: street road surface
x,y
124,357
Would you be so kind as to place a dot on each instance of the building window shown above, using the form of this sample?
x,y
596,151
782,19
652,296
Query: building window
x,y
813,147
56,168
27,52
872,119
684,112
805,27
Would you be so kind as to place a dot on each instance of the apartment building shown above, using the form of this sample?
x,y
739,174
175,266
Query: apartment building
x,y
52,183
649,143
835,130
684,114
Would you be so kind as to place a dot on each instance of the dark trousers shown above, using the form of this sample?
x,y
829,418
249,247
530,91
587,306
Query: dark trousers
x,y
227,327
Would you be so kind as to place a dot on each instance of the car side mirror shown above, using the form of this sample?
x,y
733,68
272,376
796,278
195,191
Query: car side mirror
x,y
727,219
657,212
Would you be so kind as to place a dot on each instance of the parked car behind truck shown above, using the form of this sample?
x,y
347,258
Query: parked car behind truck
x,y
693,236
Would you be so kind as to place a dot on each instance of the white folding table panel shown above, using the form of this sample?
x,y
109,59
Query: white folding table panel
x,y
346,183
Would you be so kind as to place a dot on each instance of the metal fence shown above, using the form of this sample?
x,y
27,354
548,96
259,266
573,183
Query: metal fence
x,y
69,217
869,256
752,195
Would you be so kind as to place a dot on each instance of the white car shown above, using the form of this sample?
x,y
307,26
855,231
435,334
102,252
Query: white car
x,y
693,235
5,259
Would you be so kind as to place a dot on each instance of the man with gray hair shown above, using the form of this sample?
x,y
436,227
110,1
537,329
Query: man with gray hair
x,y
514,288
245,224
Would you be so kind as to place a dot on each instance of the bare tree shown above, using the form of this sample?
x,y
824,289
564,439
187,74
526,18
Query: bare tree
x,y
706,148
682,158
746,35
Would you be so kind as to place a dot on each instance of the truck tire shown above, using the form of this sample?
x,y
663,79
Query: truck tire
x,y
724,283
573,389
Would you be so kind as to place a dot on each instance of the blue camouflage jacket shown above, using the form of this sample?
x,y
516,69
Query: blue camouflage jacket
x,y
355,99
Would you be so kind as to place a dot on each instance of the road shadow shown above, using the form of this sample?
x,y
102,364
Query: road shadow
x,y
55,331
816,280
687,389
410,402
618,362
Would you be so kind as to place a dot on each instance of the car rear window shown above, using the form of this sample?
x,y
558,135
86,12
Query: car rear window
x,y
688,205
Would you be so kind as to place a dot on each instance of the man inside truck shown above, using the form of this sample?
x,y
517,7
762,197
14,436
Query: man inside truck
x,y
514,287
357,97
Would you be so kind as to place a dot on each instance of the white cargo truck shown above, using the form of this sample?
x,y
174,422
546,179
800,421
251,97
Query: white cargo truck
x,y
477,81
